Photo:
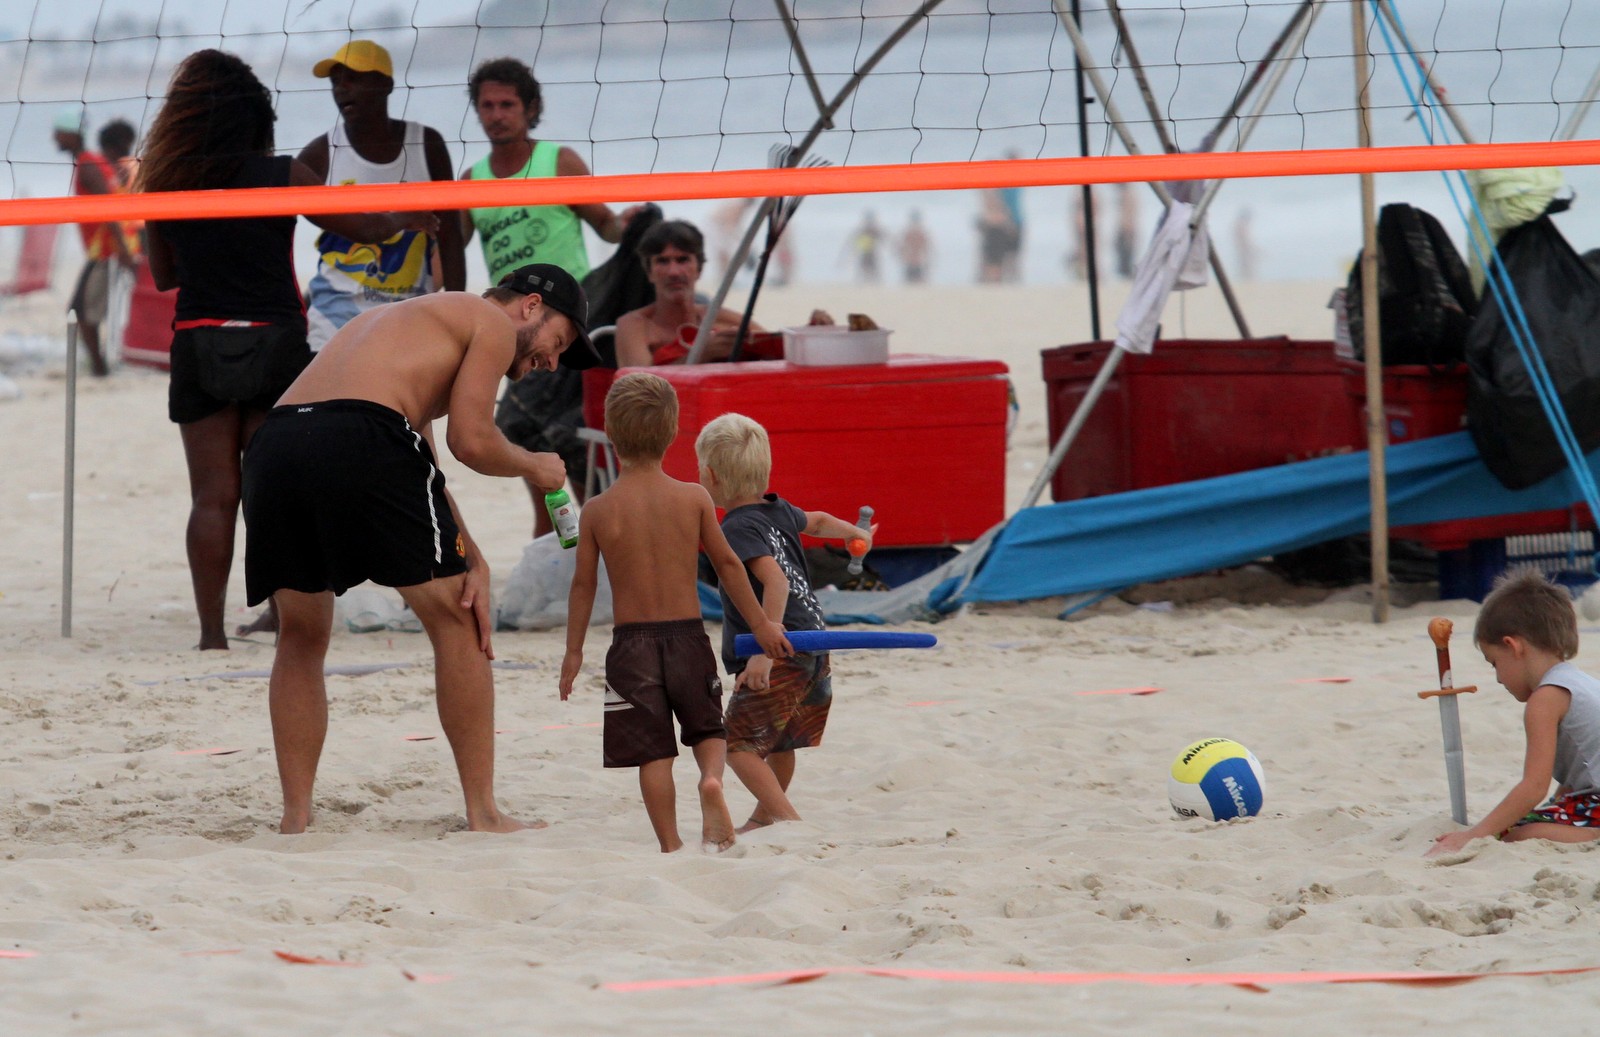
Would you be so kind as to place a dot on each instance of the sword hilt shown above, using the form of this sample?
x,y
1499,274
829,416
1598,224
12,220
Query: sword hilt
x,y
1446,691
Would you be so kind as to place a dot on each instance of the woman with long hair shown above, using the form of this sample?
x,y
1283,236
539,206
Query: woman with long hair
x,y
239,334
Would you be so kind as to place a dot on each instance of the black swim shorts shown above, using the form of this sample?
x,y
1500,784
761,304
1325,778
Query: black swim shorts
x,y
339,492
655,671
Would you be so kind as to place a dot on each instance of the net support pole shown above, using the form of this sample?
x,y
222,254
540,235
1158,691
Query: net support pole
x,y
69,468
1387,12
1090,239
1085,60
1079,415
1372,338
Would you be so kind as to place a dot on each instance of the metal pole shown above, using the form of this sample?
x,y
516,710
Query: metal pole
x,y
702,337
1438,93
1119,124
69,468
1372,338
1092,264
800,54
1080,415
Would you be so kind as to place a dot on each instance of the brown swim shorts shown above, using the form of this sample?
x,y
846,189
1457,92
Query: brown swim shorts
x,y
655,671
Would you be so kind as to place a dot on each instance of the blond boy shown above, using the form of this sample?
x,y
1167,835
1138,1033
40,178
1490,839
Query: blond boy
x,y
649,528
777,707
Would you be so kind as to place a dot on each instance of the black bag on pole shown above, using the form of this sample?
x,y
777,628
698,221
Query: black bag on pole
x,y
1560,296
1425,298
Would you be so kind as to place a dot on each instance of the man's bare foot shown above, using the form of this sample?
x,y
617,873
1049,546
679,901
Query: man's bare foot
x,y
752,824
266,622
502,823
218,644
294,822
716,825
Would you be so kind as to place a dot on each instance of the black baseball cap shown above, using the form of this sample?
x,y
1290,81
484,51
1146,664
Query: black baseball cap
x,y
561,292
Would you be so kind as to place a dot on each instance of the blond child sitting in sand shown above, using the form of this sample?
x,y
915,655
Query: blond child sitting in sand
x,y
1527,630
649,528
777,707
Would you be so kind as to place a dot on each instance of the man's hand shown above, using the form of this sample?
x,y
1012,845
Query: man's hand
x,y
756,675
571,663
771,638
425,221
547,471
475,599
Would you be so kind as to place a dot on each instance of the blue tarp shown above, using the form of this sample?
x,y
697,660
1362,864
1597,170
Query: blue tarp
x,y
1122,539
1101,544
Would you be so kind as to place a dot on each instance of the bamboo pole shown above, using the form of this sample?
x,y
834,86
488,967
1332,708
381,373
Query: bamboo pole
x,y
1372,339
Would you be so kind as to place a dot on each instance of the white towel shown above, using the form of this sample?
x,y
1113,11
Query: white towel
x,y
1176,260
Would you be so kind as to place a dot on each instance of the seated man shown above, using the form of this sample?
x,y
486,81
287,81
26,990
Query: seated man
x,y
673,254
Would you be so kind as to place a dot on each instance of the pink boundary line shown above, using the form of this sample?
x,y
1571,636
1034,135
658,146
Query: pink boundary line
x,y
1255,980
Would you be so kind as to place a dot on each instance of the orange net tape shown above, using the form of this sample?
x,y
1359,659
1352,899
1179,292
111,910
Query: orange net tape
x,y
760,183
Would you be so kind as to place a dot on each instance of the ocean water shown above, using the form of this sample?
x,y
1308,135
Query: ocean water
x,y
640,85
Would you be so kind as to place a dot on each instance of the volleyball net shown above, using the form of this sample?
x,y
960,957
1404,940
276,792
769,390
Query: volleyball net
x,y
684,99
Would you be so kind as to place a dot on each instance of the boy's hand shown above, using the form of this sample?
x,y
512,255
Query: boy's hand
x,y
756,675
570,665
1451,841
771,638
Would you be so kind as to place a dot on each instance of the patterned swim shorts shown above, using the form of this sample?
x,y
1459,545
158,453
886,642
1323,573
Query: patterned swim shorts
x,y
790,713
1580,810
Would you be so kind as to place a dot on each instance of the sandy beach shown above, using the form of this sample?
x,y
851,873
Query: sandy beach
x,y
984,813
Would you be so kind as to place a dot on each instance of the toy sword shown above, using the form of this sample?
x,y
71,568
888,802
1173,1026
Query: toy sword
x,y
1449,718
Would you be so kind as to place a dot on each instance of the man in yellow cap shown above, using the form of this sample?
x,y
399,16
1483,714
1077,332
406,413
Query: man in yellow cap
x,y
366,146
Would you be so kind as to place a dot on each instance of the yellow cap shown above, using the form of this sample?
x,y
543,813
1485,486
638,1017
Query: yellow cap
x,y
357,56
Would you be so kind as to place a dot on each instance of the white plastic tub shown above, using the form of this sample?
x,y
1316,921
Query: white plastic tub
x,y
825,345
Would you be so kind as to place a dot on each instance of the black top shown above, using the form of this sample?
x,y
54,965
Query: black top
x,y
770,528
239,268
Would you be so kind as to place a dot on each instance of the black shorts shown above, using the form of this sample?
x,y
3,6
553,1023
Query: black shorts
x,y
339,492
653,672
543,413
248,366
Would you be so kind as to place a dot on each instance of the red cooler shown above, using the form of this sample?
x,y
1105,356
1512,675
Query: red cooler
x,y
1194,409
1420,401
147,340
921,439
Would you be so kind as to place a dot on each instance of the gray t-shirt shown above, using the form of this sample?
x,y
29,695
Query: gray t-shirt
x,y
770,528
1577,765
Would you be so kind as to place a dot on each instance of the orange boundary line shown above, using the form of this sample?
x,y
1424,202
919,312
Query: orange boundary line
x,y
1253,980
760,183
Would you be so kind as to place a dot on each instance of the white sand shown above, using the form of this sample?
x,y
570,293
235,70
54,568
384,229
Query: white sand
x,y
969,811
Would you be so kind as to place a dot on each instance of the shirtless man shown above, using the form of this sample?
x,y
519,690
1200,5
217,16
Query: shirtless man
x,y
340,486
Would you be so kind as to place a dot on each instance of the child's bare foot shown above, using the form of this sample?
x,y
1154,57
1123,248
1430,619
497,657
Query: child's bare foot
x,y
498,822
752,824
716,831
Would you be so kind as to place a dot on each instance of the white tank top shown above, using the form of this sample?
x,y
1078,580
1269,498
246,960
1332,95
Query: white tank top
x,y
356,276
346,166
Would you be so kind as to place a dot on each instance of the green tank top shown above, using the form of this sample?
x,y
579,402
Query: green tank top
x,y
517,235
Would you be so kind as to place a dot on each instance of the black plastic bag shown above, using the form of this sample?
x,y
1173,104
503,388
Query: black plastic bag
x,y
1560,295
620,285
1425,298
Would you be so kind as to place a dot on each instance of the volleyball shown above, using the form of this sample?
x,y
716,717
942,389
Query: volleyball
x,y
1217,779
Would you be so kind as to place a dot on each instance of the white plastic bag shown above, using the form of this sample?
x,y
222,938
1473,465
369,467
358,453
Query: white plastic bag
x,y
535,596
